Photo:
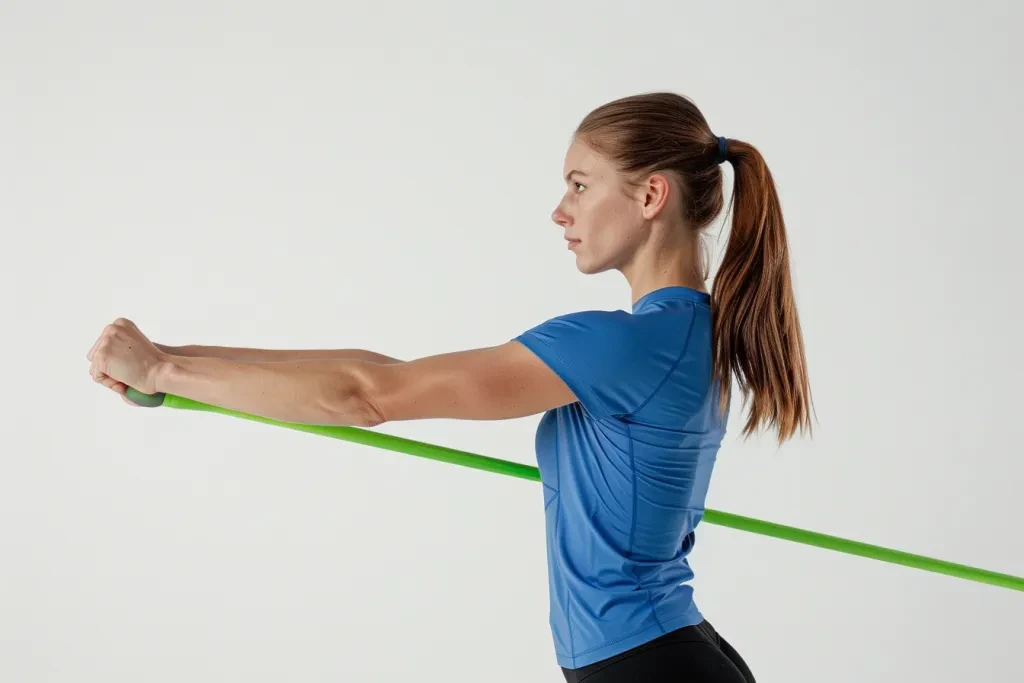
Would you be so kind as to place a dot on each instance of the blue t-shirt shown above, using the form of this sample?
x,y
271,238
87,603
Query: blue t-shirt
x,y
625,469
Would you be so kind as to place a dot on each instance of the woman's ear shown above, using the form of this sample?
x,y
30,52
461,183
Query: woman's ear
x,y
655,194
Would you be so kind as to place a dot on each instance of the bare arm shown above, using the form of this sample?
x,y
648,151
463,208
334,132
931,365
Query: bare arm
x,y
273,355
494,383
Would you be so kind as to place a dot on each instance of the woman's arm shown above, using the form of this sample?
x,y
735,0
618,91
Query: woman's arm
x,y
494,383
273,355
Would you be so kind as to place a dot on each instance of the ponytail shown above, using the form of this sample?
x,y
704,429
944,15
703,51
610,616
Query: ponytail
x,y
756,334
756,331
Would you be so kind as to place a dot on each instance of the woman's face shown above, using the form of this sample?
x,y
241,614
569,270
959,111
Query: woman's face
x,y
600,214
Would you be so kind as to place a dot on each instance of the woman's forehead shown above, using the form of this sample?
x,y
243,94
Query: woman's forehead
x,y
583,159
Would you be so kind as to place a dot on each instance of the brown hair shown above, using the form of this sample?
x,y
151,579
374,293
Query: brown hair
x,y
756,332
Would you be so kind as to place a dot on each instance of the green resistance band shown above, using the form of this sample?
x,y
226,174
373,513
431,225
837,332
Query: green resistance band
x,y
513,469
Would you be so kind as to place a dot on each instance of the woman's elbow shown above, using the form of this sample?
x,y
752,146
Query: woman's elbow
x,y
351,402
366,414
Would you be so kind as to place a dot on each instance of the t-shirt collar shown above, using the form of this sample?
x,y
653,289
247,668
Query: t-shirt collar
x,y
673,292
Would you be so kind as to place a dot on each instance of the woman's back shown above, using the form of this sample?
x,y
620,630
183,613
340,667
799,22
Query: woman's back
x,y
626,469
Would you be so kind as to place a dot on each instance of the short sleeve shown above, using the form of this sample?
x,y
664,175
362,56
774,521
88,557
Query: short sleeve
x,y
605,357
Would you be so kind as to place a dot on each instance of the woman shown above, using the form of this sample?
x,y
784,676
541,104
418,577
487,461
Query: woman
x,y
634,403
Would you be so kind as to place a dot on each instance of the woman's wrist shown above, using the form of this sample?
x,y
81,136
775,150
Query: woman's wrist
x,y
163,371
169,350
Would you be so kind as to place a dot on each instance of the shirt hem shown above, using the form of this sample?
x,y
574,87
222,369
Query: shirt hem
x,y
692,617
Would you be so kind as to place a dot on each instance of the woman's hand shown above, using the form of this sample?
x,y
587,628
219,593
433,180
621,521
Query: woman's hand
x,y
123,357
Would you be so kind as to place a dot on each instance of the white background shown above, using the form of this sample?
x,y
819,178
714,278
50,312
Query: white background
x,y
381,176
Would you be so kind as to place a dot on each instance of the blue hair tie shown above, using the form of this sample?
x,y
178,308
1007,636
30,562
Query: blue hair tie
x,y
723,153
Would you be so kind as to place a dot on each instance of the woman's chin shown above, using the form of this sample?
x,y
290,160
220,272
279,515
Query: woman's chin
x,y
586,267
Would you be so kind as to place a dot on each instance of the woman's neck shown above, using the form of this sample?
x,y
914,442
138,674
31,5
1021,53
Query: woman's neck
x,y
659,264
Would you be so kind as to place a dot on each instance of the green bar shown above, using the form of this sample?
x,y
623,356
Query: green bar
x,y
874,552
376,440
482,462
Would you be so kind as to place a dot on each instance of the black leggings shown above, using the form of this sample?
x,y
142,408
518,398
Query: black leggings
x,y
693,654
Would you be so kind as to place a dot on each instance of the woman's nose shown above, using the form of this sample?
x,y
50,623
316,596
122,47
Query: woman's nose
x,y
560,217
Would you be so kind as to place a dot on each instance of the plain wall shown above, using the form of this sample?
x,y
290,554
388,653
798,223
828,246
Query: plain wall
x,y
381,176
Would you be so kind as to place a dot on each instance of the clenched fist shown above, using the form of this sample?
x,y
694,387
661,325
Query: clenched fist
x,y
123,357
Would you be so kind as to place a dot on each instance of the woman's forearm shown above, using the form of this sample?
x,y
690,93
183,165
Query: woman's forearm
x,y
274,355
321,392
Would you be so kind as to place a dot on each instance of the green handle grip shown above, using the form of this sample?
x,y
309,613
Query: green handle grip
x,y
514,469
145,400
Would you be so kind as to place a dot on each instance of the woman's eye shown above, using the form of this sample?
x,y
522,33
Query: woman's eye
x,y
579,187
